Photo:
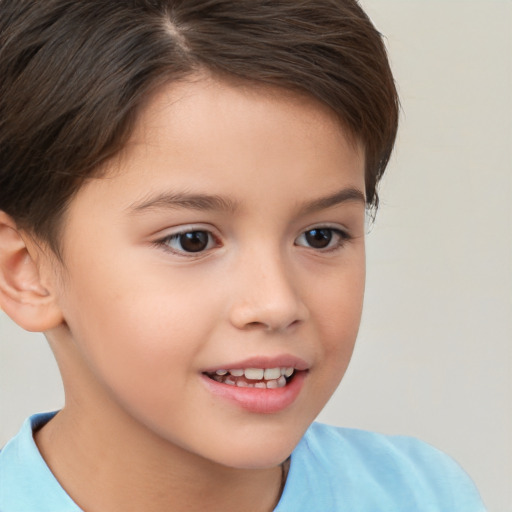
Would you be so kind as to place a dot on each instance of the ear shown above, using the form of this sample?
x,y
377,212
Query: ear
x,y
23,295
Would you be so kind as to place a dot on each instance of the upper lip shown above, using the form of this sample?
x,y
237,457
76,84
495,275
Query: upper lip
x,y
282,361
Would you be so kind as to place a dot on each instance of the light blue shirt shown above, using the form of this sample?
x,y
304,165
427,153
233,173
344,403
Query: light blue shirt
x,y
332,470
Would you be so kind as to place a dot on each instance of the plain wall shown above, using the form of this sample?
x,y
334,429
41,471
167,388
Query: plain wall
x,y
434,355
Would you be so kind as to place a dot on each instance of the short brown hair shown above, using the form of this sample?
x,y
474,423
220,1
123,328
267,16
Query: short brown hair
x,y
74,74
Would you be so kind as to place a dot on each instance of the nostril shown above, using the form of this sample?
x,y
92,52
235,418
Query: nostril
x,y
270,327
268,313
249,326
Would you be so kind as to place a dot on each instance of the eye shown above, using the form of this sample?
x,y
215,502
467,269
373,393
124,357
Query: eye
x,y
193,241
322,238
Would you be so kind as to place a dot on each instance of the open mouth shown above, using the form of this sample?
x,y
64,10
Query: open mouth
x,y
262,378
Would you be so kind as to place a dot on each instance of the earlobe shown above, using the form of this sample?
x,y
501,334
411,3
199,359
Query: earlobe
x,y
22,294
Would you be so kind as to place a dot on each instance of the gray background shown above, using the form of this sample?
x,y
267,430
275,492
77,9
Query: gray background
x,y
434,354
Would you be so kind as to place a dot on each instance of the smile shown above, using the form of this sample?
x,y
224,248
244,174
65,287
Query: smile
x,y
262,378
259,384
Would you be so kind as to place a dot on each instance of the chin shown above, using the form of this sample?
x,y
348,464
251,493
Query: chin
x,y
261,450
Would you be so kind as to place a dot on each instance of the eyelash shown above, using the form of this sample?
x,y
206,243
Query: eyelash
x,y
337,240
338,237
166,241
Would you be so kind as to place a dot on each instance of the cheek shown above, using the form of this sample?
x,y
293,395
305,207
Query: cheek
x,y
339,301
335,317
338,309
134,326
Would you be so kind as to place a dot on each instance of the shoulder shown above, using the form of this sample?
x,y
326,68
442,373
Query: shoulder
x,y
365,471
26,482
371,450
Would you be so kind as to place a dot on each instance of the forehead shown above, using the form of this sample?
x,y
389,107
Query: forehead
x,y
210,118
232,139
207,96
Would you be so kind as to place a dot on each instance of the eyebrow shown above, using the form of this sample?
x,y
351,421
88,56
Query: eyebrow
x,y
207,202
186,200
342,196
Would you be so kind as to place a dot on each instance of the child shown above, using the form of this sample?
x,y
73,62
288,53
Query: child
x,y
183,190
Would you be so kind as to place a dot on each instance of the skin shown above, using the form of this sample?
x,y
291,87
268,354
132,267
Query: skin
x,y
140,320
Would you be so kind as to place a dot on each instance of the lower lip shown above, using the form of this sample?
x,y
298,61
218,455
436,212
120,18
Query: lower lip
x,y
262,401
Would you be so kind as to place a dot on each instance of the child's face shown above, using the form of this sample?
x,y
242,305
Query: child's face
x,y
228,235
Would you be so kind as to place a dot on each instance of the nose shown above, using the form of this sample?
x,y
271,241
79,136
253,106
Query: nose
x,y
266,295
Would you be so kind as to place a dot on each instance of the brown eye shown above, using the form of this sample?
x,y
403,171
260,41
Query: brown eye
x,y
322,238
194,241
188,242
318,238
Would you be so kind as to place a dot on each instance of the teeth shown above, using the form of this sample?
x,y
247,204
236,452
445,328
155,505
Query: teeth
x,y
269,384
272,373
254,373
270,378
258,373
